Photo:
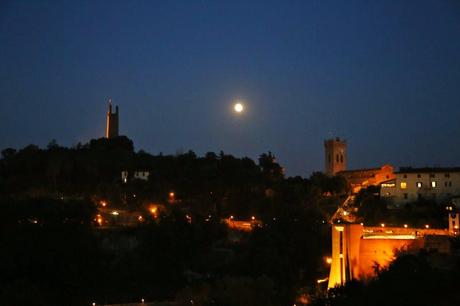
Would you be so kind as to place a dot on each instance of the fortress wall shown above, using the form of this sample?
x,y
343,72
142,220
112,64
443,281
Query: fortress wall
x,y
381,252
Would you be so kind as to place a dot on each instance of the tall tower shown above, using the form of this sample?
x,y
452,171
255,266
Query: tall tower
x,y
335,155
111,130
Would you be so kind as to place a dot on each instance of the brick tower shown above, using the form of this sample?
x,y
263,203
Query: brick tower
x,y
111,130
335,155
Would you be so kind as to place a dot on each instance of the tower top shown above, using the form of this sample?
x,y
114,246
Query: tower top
x,y
335,156
112,121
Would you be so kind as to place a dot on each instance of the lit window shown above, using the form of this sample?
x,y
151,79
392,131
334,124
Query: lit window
x,y
403,185
433,184
419,184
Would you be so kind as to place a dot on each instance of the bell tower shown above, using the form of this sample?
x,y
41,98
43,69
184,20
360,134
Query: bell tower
x,y
111,130
335,156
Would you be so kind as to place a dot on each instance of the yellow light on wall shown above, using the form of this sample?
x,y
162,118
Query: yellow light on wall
x,y
403,185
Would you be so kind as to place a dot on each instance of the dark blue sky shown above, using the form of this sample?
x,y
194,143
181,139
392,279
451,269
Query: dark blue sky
x,y
385,75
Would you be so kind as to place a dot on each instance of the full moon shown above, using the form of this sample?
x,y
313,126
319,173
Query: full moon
x,y
238,107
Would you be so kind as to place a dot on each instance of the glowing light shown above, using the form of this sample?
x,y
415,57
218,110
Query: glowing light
x,y
328,260
456,226
403,185
382,224
345,213
115,213
99,219
391,237
140,218
427,226
253,218
231,217
103,203
405,225
319,281
238,107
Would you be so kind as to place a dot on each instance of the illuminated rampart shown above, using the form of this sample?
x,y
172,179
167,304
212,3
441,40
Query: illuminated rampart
x,y
357,250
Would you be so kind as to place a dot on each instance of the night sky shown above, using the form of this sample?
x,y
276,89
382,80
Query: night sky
x,y
385,75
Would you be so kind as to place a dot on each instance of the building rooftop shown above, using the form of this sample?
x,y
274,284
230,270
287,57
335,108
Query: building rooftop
x,y
428,169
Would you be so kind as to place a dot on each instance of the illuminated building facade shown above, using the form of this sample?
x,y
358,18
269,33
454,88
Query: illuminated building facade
x,y
358,250
412,184
111,130
135,175
335,155
363,178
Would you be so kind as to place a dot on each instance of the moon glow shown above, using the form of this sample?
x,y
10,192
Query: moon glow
x,y
238,107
